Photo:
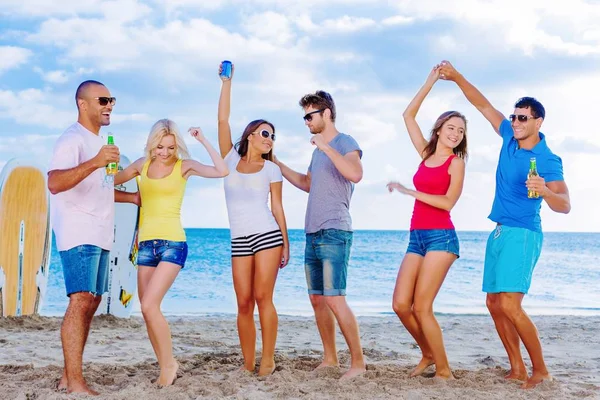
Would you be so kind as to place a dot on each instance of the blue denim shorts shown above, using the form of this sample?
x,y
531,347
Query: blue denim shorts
x,y
85,269
510,257
152,252
423,240
326,257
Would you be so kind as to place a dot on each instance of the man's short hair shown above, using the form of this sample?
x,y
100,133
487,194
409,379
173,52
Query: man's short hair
x,y
537,109
83,87
320,100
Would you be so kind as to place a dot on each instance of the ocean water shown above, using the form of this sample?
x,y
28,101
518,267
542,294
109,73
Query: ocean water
x,y
566,280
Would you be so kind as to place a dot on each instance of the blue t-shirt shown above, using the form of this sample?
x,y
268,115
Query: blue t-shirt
x,y
329,197
511,205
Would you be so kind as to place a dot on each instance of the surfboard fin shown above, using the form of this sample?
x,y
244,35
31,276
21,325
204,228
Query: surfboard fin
x,y
125,297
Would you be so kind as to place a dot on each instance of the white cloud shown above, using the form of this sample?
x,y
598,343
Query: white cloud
x,y
13,57
57,76
397,20
347,24
527,29
124,10
269,26
33,107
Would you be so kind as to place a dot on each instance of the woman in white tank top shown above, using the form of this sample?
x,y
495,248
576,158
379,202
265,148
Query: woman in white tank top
x,y
260,245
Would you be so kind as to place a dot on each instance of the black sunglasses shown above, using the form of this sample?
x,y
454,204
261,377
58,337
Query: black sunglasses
x,y
265,133
308,116
521,118
105,100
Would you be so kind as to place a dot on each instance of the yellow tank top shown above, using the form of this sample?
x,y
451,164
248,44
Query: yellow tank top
x,y
160,214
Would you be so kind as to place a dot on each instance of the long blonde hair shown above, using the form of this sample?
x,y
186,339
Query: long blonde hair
x,y
160,129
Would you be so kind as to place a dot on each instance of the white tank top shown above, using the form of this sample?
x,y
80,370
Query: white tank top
x,y
247,197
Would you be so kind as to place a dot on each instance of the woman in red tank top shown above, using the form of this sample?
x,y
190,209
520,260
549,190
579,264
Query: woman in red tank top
x,y
433,245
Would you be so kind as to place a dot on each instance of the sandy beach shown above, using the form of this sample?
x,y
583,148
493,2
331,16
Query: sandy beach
x,y
119,362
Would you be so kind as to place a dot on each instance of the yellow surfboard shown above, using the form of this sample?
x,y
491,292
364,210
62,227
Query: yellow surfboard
x,y
25,237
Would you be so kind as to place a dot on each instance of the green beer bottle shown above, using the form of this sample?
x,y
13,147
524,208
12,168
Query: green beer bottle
x,y
111,168
532,194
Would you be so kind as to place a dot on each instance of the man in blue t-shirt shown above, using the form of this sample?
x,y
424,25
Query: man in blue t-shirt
x,y
334,169
514,247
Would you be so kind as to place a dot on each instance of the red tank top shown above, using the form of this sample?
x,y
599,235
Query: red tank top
x,y
431,180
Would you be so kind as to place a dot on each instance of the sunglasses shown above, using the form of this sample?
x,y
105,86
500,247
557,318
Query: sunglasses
x,y
265,133
521,118
105,100
308,117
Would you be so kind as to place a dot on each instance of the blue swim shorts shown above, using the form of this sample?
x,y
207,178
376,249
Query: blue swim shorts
x,y
510,257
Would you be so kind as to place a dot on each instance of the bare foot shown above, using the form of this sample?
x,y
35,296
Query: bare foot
x,y
81,388
445,376
168,375
63,384
266,368
536,379
422,366
243,369
516,375
353,373
326,363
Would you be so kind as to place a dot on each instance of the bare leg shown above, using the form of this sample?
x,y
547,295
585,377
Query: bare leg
x,y
158,327
143,279
326,324
429,281
265,273
74,330
510,303
243,272
509,337
349,327
64,382
402,304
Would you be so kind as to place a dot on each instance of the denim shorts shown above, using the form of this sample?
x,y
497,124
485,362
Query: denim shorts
x,y
85,269
152,252
510,257
424,240
326,259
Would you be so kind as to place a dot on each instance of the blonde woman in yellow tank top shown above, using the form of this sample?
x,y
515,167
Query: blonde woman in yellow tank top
x,y
162,252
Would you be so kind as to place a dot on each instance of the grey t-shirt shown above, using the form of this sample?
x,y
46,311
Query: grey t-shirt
x,y
330,193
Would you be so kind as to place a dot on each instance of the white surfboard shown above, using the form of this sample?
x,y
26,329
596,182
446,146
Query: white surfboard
x,y
25,237
122,275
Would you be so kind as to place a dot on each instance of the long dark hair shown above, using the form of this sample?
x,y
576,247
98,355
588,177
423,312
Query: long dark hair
x,y
460,150
242,145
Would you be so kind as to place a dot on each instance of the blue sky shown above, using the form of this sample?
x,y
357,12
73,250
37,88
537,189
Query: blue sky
x,y
160,59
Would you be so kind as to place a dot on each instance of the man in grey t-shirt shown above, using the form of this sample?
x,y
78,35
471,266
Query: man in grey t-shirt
x,y
334,169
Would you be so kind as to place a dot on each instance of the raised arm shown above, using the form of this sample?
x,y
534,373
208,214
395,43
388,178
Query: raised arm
x,y
495,117
277,210
445,201
225,143
61,180
192,167
301,181
410,114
